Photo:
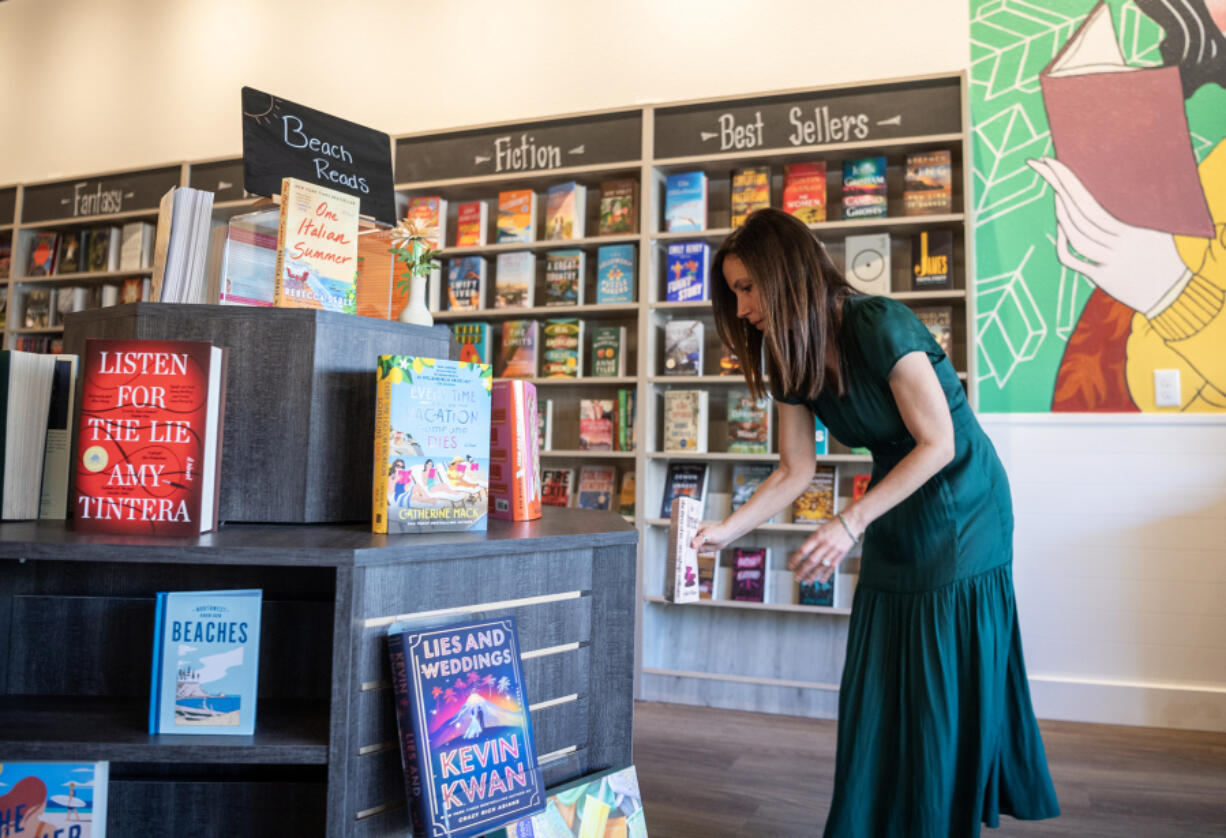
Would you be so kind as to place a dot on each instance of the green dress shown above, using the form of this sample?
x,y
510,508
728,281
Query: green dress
x,y
936,730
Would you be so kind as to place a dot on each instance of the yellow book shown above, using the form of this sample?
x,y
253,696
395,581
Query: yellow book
x,y
317,248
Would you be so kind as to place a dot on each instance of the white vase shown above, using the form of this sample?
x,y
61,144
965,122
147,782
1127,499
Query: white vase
x,y
416,311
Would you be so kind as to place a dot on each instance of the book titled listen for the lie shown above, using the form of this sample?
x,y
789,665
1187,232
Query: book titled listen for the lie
x,y
206,654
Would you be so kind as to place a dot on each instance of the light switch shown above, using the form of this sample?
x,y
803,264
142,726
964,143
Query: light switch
x,y
1166,388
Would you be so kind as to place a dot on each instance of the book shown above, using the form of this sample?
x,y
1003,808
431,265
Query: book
x,y
474,341
685,202
181,247
932,259
1142,171
625,419
683,347
428,214
608,351
749,566
465,732
940,322
729,364
746,478
868,262
596,424
557,486
206,655
685,421
101,250
928,183
43,250
149,438
821,438
317,248
864,188
249,262
625,503
26,387
53,799
36,308
71,258
131,290
859,486
136,246
565,211
6,257
597,487
751,190
516,216
472,224
616,268
683,479
817,501
606,804
804,191
687,270
819,593
619,207
515,459
57,449
564,278
749,423
544,425
708,564
681,561
432,445
466,283
514,279
521,341
563,353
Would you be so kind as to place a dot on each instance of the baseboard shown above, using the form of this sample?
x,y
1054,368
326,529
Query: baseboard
x,y
1137,703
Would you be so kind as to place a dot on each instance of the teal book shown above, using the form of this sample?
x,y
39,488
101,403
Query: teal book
x,y
821,438
474,341
206,655
53,799
864,188
615,272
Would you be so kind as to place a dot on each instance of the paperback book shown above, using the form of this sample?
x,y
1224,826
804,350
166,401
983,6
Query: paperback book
x,y
563,354
249,260
859,486
602,805
36,305
940,322
749,423
626,496
681,561
544,423
102,249
749,574
751,190
619,212
597,487
608,351
685,421
556,486
683,347
864,188
42,254
821,438
564,278
520,345
53,799
514,279
70,258
625,419
928,184
27,383
136,246
804,191
516,216
746,478
817,501
466,283
932,258
428,214
868,263
474,341
818,593
687,270
683,480
685,202
708,565
515,459
472,223
596,424
57,453
565,211
616,268
317,248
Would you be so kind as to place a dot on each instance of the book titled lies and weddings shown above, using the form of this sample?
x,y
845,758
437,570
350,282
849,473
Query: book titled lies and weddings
x,y
685,202
53,799
685,421
564,277
516,216
687,272
683,479
514,279
864,188
466,283
521,341
432,445
557,486
681,562
804,191
563,350
565,211
928,183
867,258
749,423
597,487
317,248
465,731
149,438
751,190
616,267
206,654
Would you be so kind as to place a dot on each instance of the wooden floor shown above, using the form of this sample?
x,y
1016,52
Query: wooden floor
x,y
710,773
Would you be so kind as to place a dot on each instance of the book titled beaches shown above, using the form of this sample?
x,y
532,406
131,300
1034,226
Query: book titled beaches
x,y
149,438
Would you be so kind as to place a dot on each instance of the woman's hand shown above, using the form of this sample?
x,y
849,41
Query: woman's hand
x,y
711,537
821,554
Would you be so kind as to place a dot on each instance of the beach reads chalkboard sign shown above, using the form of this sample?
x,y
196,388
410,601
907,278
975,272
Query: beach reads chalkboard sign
x,y
283,139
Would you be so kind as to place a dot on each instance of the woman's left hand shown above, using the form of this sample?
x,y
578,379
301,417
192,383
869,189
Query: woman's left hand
x,y
821,553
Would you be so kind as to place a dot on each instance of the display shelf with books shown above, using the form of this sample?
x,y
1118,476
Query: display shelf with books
x,y
761,606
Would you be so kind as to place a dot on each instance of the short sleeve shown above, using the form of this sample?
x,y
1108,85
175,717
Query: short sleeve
x,y
884,330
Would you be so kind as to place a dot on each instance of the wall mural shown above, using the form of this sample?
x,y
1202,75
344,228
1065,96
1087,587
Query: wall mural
x,y
1099,143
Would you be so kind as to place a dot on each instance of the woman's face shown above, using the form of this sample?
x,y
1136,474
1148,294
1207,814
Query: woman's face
x,y
748,306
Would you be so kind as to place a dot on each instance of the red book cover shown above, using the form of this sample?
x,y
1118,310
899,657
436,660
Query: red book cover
x,y
515,461
149,442
804,191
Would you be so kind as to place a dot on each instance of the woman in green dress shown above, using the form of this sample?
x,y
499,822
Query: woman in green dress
x,y
936,731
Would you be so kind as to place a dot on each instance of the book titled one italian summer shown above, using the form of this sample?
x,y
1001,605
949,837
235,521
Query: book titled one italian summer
x,y
317,248
432,445
465,731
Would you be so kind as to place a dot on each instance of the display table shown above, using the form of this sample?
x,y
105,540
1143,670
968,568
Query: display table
x,y
77,613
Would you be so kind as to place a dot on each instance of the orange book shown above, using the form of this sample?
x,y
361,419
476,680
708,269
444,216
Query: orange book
x,y
515,460
376,272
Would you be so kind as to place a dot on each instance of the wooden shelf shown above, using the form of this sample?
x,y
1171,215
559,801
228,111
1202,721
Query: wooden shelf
x,y
732,380
917,296
753,606
594,455
88,220
826,151
46,330
83,276
565,244
890,224
575,382
795,528
610,309
724,456
567,173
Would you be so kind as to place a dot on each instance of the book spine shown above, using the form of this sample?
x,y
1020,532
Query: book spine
x,y
410,754
383,418
155,689
6,357
278,275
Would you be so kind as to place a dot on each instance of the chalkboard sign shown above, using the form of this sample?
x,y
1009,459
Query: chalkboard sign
x,y
8,205
816,118
125,192
223,178
282,139
527,147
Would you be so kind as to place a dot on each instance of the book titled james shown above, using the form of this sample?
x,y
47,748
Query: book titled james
x,y
932,259
206,655
685,202
928,183
683,479
472,223
749,574
563,353
474,341
608,351
864,188
597,486
149,439
868,262
564,278
596,424
432,445
817,501
565,211
804,191
464,728
557,485
515,459
317,248
466,283
683,347
616,265
515,279
619,212
685,421
521,340
428,214
687,270
940,322
749,423
681,563
751,190
516,216
53,799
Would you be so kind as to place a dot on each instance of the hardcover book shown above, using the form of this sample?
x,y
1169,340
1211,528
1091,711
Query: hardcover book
x,y
625,420
149,438
821,438
317,248
804,191
27,383
868,263
466,283
928,184
42,254
816,503
249,263
597,487
683,347
432,445
556,486
37,308
564,277
818,593
751,190
515,459
516,216
474,341
57,453
749,574
472,223
608,351
71,256
596,424
749,423
565,211
520,345
859,486
940,322
685,202
465,731
932,259
685,421
602,805
681,562
626,497
616,268
429,215
746,478
864,188
102,250
53,799
687,271
515,279
619,211
729,364
708,565
683,480
377,272
136,246
563,355
206,655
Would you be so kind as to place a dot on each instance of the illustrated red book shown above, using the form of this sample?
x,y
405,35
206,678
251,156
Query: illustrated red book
x,y
804,191
859,486
1124,132
149,441
515,461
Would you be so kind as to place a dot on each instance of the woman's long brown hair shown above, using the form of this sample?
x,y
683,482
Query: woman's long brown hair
x,y
800,291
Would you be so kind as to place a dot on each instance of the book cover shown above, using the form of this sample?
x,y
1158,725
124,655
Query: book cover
x,y
53,799
317,248
26,384
57,452
432,445
136,246
616,268
520,346
729,364
804,191
465,732
564,277
597,487
516,216
608,353
816,503
625,418
685,202
681,561
928,183
544,423
206,655
376,272
130,290
515,459
607,804
71,257
42,254
746,478
683,479
821,438
37,308
556,486
626,497
474,341
932,259
6,257
466,283
565,211
868,262
514,279
751,190
685,421
749,574
687,270
596,424
619,210
818,593
429,215
749,423
683,347
859,486
940,322
472,223
102,250
708,564
149,438
563,353
864,188
249,264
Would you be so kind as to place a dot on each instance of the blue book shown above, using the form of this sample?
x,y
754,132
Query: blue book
x,y
687,269
474,341
864,188
53,799
465,731
821,437
818,593
206,655
685,202
616,268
